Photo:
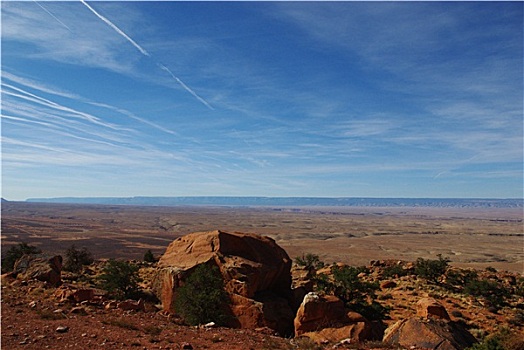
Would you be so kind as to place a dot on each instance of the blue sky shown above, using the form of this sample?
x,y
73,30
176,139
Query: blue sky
x,y
398,99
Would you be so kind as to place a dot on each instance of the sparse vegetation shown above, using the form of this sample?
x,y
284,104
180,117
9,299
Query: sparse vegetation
x,y
494,293
202,298
504,339
16,252
120,279
311,262
76,259
431,270
149,257
394,271
358,294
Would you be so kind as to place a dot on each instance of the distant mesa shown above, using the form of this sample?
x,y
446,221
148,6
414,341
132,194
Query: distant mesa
x,y
291,201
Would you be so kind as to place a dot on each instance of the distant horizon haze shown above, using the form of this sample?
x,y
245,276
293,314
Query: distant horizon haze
x,y
287,201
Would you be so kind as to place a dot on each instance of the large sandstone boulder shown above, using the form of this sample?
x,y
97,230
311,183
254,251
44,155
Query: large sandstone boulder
x,y
431,333
432,329
429,307
325,319
39,267
255,270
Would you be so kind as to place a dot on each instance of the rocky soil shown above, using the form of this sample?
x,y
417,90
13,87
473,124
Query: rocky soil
x,y
34,317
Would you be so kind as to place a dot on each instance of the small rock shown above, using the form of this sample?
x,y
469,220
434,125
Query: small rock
x,y
210,325
388,284
187,346
32,304
80,310
62,329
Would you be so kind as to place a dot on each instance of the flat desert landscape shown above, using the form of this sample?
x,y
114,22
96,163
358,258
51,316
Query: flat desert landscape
x,y
469,237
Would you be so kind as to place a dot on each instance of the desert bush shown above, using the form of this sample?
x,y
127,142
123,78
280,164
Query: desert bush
x,y
394,271
16,252
431,270
120,279
349,287
311,262
149,257
75,259
504,339
322,284
202,298
357,294
491,291
457,279
519,289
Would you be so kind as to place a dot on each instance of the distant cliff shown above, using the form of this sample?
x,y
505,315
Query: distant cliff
x,y
292,201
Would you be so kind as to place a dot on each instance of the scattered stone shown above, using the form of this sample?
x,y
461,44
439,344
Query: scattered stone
x,y
132,305
187,346
62,329
111,305
79,310
388,284
429,307
32,304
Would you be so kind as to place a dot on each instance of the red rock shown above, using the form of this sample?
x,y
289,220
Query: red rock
x,y
433,333
40,268
429,307
132,305
255,270
324,319
388,284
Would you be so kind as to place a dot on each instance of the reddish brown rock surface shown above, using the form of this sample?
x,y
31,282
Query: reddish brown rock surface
x,y
324,319
255,270
429,307
40,268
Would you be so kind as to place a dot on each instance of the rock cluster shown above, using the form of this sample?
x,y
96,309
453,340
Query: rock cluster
x,y
430,329
257,277
38,267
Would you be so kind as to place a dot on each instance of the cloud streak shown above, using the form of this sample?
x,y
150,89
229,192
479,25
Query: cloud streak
x,y
116,29
50,14
147,54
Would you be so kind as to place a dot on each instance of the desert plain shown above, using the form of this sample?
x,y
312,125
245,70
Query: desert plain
x,y
469,237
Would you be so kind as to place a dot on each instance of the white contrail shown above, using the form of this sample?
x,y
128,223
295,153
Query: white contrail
x,y
50,14
109,23
187,88
144,52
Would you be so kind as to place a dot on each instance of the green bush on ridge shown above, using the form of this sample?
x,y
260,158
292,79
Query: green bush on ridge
x,y
202,298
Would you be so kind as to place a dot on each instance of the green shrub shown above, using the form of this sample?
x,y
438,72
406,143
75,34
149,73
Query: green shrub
x,y
311,262
431,270
202,298
149,257
322,283
16,252
394,271
491,291
504,339
349,287
120,279
75,259
358,295
458,279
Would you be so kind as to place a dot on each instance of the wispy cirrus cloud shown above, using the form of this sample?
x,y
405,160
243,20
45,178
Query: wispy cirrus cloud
x,y
147,54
